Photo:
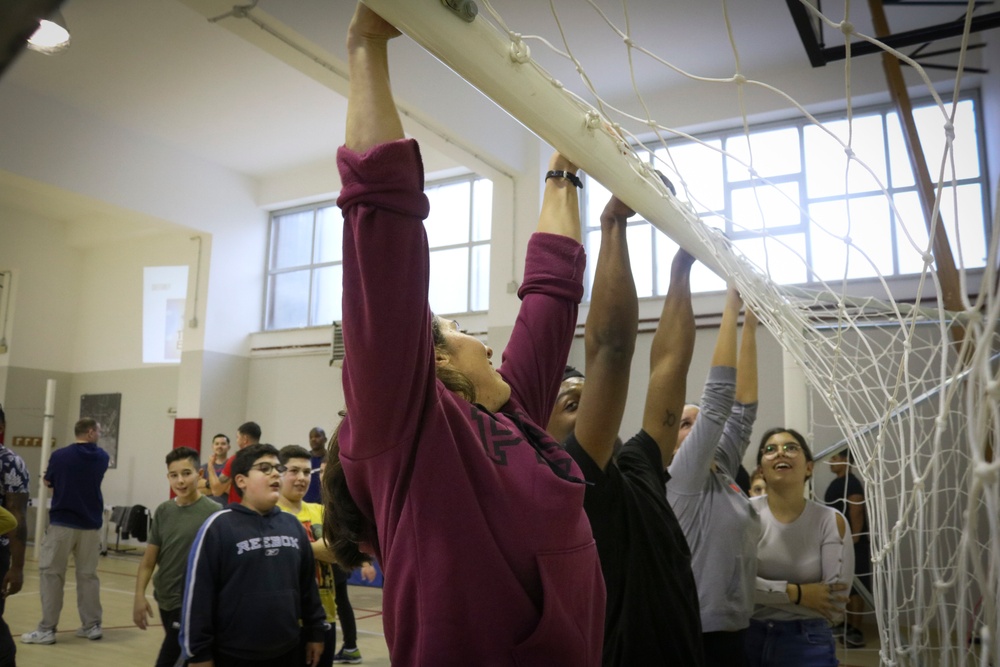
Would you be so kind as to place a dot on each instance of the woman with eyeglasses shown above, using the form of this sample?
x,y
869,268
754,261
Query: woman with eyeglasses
x,y
805,562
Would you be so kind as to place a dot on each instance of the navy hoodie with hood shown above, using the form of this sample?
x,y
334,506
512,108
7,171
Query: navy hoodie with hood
x,y
251,587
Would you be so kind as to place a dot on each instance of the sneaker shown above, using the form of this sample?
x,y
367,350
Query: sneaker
x,y
854,638
93,632
347,656
39,637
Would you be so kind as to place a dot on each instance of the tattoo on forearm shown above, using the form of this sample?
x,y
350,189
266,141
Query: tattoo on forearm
x,y
669,419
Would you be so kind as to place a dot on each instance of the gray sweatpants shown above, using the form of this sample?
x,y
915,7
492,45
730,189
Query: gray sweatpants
x,y
58,544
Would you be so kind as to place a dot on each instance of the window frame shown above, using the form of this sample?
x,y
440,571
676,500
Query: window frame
x,y
883,110
313,266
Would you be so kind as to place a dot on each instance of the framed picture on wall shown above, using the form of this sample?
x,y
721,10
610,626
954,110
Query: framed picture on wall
x,y
106,409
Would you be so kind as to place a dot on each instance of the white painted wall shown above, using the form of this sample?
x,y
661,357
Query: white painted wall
x,y
289,394
107,333
43,302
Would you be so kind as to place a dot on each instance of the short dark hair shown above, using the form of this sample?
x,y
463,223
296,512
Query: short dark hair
x,y
220,435
250,429
246,457
3,417
571,372
293,452
181,453
846,453
790,431
84,425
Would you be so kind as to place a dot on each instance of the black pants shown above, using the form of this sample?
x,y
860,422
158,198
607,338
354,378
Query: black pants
x,y
170,650
293,658
8,649
345,612
725,648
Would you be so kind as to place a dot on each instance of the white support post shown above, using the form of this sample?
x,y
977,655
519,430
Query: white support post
x,y
43,491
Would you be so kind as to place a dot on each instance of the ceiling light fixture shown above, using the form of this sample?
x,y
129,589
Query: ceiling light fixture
x,y
52,35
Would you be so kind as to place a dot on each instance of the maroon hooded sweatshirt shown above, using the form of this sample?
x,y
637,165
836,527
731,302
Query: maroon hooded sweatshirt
x,y
488,556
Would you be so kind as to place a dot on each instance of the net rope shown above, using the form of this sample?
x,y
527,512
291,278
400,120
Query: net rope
x,y
919,411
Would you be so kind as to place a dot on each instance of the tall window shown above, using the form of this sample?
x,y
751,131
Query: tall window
x,y
810,186
305,261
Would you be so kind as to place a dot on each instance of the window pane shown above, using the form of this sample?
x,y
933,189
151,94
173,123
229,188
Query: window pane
x,y
592,242
482,209
289,303
597,197
969,235
666,248
702,277
449,281
930,127
329,235
911,233
328,289
701,167
775,153
827,164
448,222
871,250
782,257
640,252
769,206
899,159
291,240
480,283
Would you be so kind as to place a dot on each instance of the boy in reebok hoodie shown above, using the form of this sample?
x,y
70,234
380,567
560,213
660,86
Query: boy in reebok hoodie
x,y
251,597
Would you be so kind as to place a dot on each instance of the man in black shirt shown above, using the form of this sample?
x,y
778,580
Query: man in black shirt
x,y
652,614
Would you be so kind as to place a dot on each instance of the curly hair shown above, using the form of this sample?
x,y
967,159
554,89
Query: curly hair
x,y
345,527
455,381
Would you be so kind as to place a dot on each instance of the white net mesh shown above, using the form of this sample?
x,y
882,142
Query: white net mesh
x,y
885,375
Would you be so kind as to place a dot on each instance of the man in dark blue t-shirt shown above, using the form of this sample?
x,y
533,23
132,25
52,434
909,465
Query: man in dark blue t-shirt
x,y
74,474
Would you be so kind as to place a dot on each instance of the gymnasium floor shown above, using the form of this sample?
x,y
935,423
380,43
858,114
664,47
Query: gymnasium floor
x,y
124,645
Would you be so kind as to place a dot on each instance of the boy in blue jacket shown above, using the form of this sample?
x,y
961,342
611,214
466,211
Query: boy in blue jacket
x,y
251,597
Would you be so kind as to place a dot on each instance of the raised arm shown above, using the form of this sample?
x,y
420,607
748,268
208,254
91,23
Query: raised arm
x,y
372,117
739,426
560,212
691,464
670,356
386,318
746,371
535,356
609,339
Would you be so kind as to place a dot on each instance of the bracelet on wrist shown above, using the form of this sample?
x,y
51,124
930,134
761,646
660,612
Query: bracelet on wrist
x,y
568,175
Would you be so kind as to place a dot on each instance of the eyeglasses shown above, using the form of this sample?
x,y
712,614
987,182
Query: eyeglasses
x,y
789,448
267,468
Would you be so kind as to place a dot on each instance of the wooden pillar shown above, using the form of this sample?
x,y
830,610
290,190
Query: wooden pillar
x,y
944,261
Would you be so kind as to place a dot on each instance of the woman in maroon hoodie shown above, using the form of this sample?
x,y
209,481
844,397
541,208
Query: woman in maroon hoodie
x,y
474,512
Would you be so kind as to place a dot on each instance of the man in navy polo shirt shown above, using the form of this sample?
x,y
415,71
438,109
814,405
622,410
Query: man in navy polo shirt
x,y
74,474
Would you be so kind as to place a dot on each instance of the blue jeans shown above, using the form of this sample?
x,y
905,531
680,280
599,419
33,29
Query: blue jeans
x,y
805,643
